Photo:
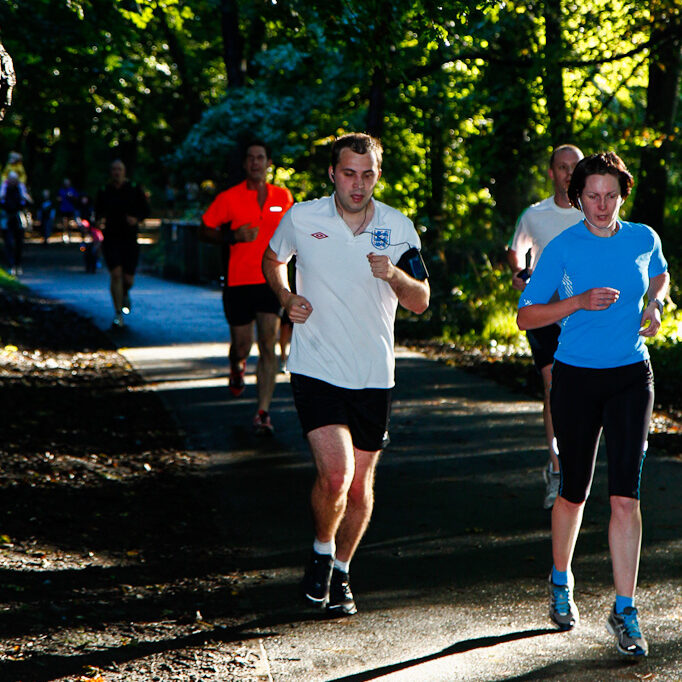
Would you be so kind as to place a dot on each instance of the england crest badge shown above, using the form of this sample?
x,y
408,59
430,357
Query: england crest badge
x,y
381,238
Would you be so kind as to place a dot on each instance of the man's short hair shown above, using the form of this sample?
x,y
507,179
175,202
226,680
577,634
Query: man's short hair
x,y
561,148
604,163
360,143
256,143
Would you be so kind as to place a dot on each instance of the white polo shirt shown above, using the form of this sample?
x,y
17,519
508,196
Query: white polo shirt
x,y
348,339
539,224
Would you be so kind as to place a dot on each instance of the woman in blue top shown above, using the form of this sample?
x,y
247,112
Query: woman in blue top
x,y
601,379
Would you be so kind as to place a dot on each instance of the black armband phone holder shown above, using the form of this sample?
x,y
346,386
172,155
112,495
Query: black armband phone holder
x,y
413,264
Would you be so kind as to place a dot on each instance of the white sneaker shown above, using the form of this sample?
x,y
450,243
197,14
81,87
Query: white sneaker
x,y
552,482
117,322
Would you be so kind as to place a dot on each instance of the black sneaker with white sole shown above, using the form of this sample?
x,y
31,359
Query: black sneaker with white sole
x,y
341,602
315,585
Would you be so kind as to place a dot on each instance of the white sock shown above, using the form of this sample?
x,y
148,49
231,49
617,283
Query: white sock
x,y
328,548
342,565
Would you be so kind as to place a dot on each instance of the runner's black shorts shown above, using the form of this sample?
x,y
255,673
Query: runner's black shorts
x,y
543,344
584,401
364,411
121,251
241,303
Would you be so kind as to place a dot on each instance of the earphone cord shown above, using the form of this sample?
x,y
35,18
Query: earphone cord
x,y
389,244
596,227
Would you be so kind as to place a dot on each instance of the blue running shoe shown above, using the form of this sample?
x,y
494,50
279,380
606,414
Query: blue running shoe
x,y
562,609
626,629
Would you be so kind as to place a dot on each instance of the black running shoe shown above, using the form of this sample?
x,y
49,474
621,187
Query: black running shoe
x,y
341,602
316,579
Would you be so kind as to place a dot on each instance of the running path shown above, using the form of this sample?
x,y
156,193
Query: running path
x,y
450,579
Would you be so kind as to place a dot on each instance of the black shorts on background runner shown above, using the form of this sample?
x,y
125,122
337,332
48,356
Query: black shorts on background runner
x,y
242,303
543,344
121,252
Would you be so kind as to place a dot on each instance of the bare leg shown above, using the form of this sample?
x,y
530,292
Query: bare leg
x,y
566,519
332,449
116,287
240,345
625,541
267,325
343,494
359,505
285,332
128,281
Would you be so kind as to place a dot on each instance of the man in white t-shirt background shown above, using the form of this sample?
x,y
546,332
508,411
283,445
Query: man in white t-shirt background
x,y
356,259
536,227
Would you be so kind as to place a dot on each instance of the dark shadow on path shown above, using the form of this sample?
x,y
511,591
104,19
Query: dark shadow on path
x,y
457,648
47,667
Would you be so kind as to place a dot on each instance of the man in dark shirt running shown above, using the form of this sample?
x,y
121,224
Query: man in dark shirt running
x,y
120,207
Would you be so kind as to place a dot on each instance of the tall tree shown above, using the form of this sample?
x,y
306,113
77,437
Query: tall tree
x,y
552,77
665,62
191,106
508,153
233,43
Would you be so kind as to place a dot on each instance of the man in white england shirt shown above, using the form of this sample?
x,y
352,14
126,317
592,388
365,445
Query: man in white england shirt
x,y
356,259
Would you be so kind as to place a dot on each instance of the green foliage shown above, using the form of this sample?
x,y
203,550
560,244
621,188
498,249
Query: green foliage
x,y
10,283
483,303
471,97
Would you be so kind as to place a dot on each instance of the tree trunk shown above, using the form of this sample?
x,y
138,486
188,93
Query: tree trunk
x,y
662,96
507,153
552,81
377,103
256,41
191,104
436,167
233,43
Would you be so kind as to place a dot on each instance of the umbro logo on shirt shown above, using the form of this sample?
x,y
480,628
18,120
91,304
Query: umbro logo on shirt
x,y
319,235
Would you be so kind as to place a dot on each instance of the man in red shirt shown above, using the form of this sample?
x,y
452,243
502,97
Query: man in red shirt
x,y
244,218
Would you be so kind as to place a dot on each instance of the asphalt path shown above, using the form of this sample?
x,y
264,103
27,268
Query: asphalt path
x,y
450,579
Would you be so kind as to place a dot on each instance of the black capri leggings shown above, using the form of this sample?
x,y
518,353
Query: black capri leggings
x,y
583,401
